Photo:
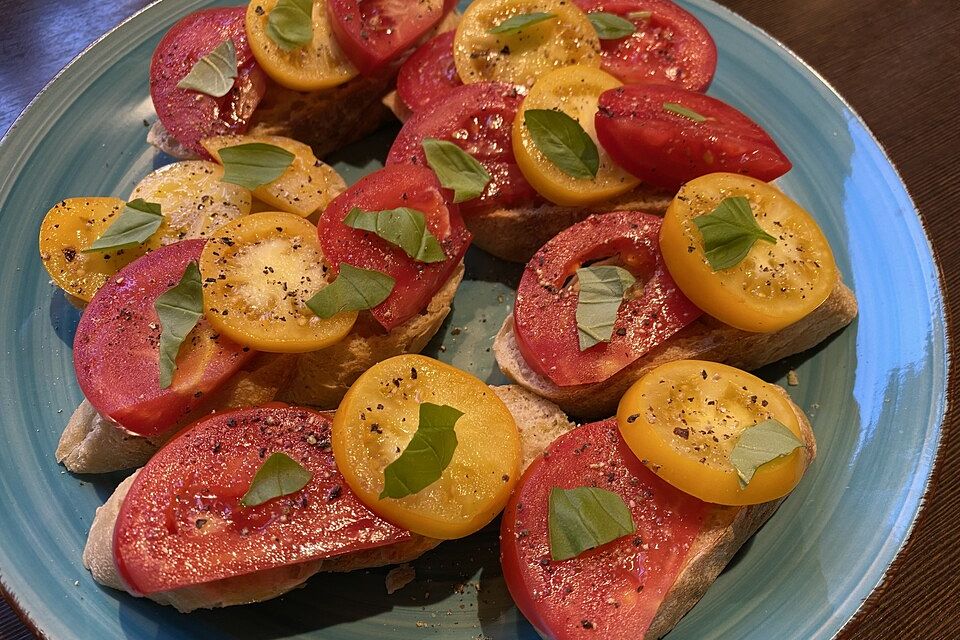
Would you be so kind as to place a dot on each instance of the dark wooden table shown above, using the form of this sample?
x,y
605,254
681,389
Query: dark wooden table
x,y
898,64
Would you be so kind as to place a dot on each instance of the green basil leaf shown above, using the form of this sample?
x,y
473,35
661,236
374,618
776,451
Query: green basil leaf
x,y
683,112
426,455
729,232
610,26
254,164
136,223
290,24
640,15
563,141
179,309
760,444
516,23
456,169
214,73
601,292
280,475
403,227
354,289
585,518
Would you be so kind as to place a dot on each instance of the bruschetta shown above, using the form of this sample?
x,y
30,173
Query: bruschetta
x,y
758,287
321,523
273,68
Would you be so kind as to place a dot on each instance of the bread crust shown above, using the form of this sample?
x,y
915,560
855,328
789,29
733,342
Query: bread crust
x,y
326,120
516,234
717,542
538,421
323,377
704,339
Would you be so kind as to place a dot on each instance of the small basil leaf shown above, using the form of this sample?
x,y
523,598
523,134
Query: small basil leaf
x,y
404,227
516,23
426,455
729,232
280,475
214,73
684,112
354,289
585,518
564,142
290,24
610,26
601,292
456,169
254,164
179,309
136,223
760,444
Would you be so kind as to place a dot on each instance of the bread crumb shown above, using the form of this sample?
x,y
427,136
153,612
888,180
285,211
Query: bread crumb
x,y
399,577
792,378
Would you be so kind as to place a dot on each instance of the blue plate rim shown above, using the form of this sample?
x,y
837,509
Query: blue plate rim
x,y
939,410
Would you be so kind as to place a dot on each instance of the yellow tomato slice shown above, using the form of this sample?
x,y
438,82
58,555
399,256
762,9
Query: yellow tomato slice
x,y
683,419
379,416
318,65
71,226
192,200
258,273
307,186
775,284
520,57
574,91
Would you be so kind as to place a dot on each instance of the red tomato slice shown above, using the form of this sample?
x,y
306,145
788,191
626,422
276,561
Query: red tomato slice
x,y
416,282
182,523
375,32
190,116
116,350
667,149
479,119
614,591
429,73
670,46
546,307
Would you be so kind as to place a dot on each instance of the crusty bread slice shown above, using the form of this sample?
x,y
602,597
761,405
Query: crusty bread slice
x,y
704,339
718,540
322,377
539,423
91,443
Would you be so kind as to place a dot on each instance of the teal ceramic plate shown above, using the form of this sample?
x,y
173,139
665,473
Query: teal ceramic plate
x,y
875,391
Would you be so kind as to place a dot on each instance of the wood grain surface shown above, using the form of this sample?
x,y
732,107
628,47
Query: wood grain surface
x,y
896,62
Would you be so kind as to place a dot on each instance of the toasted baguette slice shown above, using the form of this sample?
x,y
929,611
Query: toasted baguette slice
x,y
92,443
539,422
704,339
322,377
